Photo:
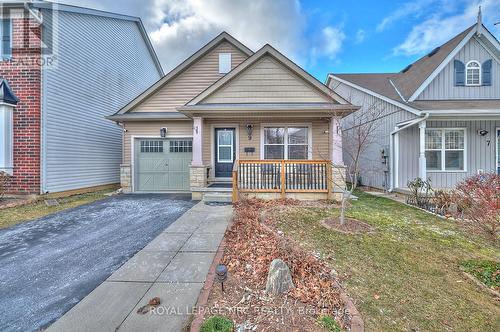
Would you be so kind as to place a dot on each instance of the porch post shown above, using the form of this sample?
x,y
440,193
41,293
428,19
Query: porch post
x,y
422,163
197,141
336,142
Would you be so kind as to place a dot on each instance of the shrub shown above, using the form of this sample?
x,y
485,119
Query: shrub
x,y
478,200
329,324
420,193
442,201
217,324
4,181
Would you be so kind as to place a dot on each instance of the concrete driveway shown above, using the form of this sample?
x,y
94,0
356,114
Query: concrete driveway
x,y
49,264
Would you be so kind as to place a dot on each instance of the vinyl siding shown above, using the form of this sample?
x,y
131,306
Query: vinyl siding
x,y
319,144
373,171
152,129
443,87
191,82
480,154
103,63
266,81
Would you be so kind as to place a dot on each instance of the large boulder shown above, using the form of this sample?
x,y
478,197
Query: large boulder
x,y
279,279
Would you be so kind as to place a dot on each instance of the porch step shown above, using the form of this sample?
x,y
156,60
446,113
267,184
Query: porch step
x,y
217,197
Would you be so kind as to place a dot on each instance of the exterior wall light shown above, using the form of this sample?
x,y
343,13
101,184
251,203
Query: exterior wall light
x,y
163,132
249,131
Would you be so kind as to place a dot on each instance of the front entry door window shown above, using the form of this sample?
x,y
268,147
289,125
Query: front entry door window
x,y
225,153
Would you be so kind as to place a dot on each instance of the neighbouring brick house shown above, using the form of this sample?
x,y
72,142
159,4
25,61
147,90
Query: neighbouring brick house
x,y
62,70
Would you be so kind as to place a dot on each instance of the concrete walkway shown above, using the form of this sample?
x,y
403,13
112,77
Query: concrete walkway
x,y
172,267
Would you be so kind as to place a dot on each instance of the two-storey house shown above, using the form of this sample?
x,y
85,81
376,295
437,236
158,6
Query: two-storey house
x,y
441,114
62,70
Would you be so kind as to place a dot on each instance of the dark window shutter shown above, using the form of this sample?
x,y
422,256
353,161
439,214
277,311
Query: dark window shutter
x,y
459,73
6,37
486,76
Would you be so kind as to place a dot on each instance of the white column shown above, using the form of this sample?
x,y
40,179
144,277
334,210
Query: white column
x,y
336,142
422,164
197,141
6,138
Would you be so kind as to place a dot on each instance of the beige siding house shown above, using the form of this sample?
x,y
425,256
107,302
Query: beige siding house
x,y
229,122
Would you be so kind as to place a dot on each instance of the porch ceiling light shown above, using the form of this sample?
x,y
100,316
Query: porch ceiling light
x,y
249,131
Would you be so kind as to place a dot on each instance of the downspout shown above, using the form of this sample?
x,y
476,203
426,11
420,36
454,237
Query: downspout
x,y
392,147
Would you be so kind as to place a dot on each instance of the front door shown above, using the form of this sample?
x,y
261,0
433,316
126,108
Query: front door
x,y
225,152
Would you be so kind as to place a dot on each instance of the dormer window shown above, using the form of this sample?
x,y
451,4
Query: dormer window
x,y
224,63
473,73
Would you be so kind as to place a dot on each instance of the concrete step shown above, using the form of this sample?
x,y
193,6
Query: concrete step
x,y
217,198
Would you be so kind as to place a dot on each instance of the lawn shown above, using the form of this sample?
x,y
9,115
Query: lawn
x,y
15,215
405,276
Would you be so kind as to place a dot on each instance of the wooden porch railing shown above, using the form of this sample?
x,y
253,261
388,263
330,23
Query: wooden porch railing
x,y
281,176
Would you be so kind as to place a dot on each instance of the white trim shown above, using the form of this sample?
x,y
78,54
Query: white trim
x,y
443,150
395,88
443,64
132,152
384,98
478,68
497,139
472,112
286,125
487,48
232,146
236,126
396,160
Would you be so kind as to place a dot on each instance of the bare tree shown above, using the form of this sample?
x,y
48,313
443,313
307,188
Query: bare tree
x,y
359,133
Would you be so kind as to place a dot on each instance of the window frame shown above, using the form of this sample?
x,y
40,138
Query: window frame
x,y
467,73
228,57
444,149
2,58
218,146
285,138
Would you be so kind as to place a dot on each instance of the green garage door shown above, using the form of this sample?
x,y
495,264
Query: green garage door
x,y
162,164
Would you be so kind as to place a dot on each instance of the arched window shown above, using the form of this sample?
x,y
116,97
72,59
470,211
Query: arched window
x,y
473,72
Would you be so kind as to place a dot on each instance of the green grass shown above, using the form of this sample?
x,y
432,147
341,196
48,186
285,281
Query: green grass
x,y
16,215
405,276
487,272
329,324
217,324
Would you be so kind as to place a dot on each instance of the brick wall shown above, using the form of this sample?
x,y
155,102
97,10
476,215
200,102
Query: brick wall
x,y
24,77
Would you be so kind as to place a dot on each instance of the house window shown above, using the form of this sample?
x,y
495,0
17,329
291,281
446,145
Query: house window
x,y
5,38
286,143
181,146
151,146
224,63
473,73
445,149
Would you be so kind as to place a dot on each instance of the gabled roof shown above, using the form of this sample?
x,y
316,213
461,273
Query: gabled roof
x,y
7,96
224,36
409,81
268,50
48,5
404,87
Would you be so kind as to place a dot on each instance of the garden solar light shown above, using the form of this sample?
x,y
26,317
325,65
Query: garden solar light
x,y
221,274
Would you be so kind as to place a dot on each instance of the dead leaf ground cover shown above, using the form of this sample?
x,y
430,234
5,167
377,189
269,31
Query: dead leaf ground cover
x,y
406,275
250,247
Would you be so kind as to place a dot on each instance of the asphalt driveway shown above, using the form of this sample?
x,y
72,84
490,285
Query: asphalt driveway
x,y
49,264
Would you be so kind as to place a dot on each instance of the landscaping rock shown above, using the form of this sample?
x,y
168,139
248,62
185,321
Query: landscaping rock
x,y
279,279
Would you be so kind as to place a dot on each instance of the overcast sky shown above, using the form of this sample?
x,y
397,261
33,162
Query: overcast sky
x,y
322,36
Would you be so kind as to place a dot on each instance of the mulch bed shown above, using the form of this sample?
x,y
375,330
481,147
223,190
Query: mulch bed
x,y
251,245
350,226
9,202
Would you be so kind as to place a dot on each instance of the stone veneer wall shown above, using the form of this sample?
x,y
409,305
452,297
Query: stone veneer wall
x,y
126,178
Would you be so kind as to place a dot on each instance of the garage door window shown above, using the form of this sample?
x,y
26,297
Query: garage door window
x,y
181,146
151,146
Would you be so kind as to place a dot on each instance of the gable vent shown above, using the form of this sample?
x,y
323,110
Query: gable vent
x,y
406,69
434,51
